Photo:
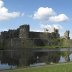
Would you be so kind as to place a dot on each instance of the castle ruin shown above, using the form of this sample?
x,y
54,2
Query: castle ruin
x,y
24,33
19,46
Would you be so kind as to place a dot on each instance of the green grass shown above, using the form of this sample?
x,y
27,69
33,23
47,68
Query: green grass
x,y
50,47
65,67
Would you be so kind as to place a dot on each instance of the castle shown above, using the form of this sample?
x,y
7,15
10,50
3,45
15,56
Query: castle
x,y
18,46
24,33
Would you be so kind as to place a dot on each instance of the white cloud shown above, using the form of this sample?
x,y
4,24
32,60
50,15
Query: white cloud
x,y
48,14
43,13
50,28
37,30
59,18
5,14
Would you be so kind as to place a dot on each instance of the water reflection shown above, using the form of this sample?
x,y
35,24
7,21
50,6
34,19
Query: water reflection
x,y
6,66
43,55
62,59
70,57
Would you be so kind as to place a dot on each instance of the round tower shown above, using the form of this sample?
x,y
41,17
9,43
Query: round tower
x,y
24,31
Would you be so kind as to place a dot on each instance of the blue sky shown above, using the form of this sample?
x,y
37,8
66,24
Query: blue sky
x,y
39,14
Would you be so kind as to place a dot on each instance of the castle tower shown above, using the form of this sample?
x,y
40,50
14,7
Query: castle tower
x,y
66,34
56,30
24,31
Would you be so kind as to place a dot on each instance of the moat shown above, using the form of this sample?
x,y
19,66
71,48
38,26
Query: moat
x,y
39,53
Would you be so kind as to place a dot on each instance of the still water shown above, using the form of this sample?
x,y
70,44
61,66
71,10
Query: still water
x,y
6,66
62,59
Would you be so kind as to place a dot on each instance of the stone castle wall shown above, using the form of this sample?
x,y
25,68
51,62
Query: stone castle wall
x,y
24,34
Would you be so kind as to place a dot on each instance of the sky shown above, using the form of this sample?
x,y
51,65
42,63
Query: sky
x,y
39,14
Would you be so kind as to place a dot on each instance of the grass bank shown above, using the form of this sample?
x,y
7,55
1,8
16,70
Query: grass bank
x,y
65,67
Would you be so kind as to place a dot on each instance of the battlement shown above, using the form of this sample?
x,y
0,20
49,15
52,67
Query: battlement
x,y
24,26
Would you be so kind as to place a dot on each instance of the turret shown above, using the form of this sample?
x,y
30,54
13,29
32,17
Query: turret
x,y
56,31
24,31
66,34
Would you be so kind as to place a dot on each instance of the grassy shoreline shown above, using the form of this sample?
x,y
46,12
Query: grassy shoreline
x,y
61,67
